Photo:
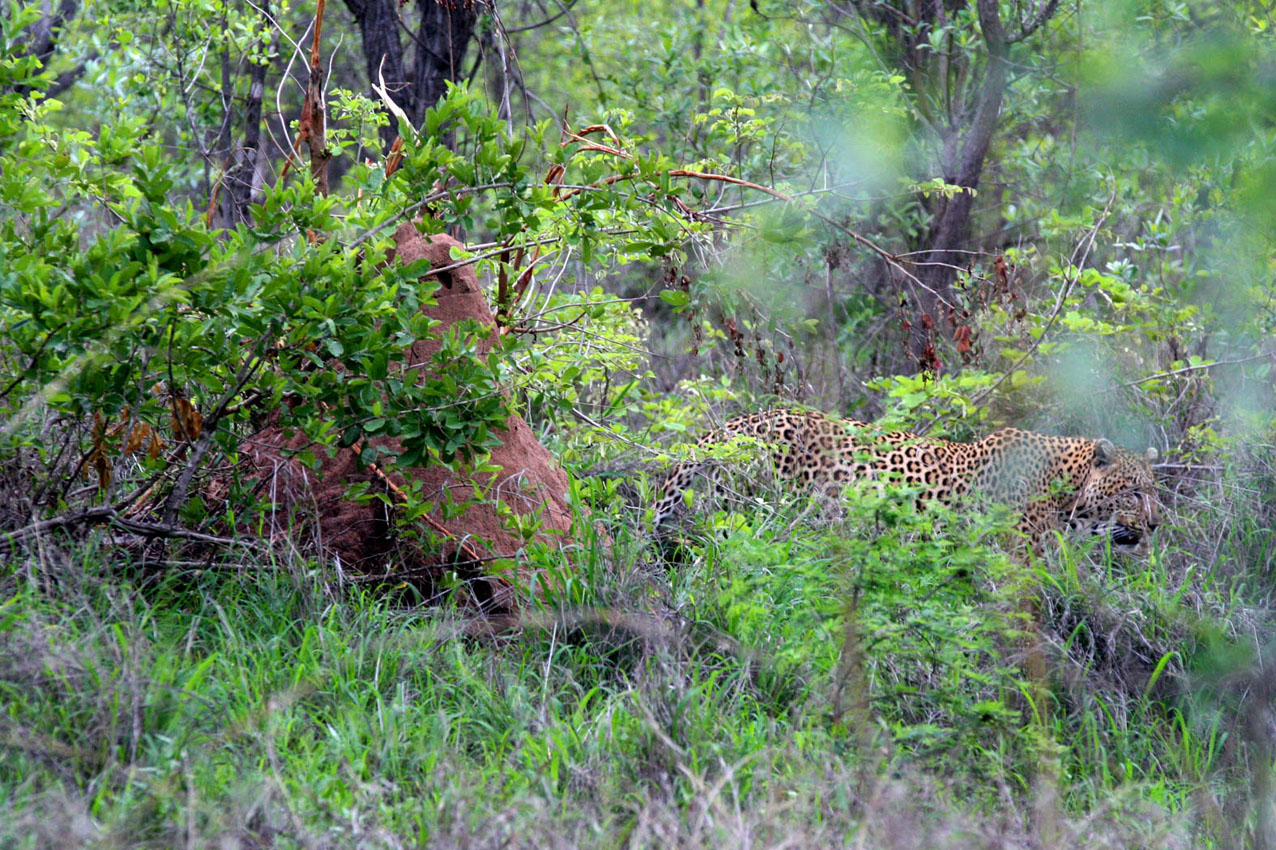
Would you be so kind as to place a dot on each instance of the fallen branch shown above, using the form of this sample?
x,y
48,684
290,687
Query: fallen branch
x,y
110,515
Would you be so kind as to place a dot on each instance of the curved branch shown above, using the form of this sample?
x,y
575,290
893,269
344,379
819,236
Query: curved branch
x,y
1045,13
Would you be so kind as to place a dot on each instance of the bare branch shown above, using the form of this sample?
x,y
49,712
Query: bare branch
x,y
1045,13
177,497
1077,263
110,515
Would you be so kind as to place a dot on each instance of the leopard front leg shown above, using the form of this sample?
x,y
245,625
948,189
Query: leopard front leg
x,y
671,508
1036,520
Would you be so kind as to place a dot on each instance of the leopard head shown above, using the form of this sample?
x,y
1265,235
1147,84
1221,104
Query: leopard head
x,y
1118,499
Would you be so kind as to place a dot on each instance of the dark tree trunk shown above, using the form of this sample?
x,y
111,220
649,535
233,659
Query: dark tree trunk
x,y
237,162
436,48
42,43
949,232
43,35
243,174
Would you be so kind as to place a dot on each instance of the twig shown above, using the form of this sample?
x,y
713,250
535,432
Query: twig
x,y
35,358
247,401
589,420
1186,369
891,259
536,25
217,185
684,172
178,495
1088,242
677,172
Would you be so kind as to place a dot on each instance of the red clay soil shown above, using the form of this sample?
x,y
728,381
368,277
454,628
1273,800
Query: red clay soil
x,y
359,536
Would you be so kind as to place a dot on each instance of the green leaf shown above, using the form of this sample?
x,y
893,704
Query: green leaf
x,y
675,298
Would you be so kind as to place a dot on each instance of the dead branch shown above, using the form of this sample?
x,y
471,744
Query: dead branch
x,y
178,495
110,515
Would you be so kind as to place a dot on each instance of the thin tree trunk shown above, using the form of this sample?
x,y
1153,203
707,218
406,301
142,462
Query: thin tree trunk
x,y
244,171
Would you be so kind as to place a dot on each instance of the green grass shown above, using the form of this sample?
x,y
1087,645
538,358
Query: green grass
x,y
852,686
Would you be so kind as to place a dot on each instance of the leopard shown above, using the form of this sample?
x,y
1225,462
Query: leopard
x,y
1089,486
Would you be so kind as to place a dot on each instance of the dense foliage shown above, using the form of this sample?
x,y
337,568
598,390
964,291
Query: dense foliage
x,y
946,216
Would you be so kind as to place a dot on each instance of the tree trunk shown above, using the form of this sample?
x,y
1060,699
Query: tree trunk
x,y
242,175
958,93
42,43
949,231
441,40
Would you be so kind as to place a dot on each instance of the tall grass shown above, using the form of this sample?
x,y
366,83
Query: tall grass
x,y
857,684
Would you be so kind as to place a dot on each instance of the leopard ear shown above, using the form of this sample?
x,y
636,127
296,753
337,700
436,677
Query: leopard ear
x,y
1104,451
1152,454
